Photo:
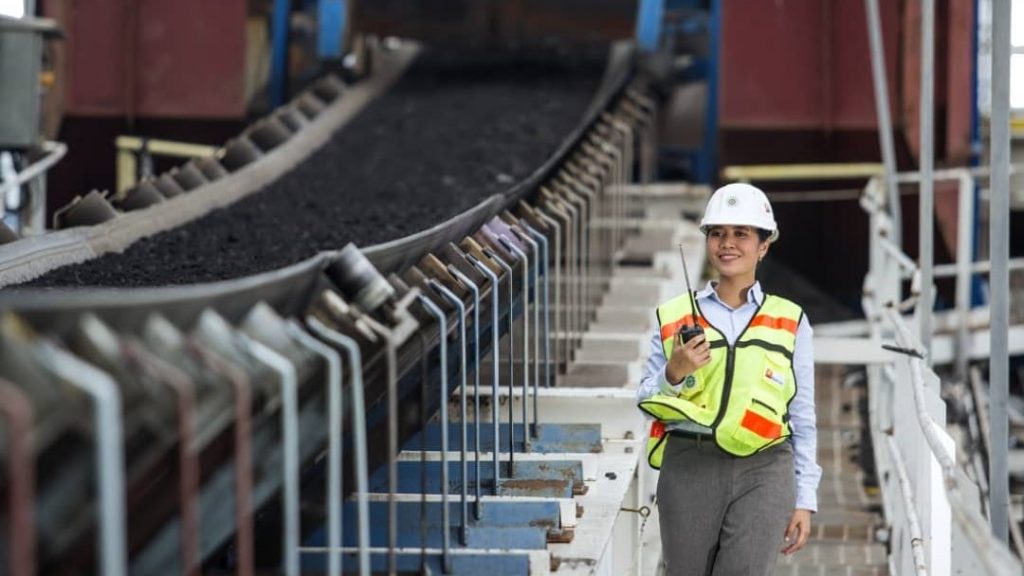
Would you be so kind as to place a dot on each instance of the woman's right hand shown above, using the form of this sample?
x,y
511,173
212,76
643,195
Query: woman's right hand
x,y
687,358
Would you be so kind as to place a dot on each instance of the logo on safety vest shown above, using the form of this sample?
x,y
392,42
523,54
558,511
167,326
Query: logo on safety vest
x,y
690,382
777,378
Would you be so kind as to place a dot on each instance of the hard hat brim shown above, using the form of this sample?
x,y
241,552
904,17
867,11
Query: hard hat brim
x,y
772,238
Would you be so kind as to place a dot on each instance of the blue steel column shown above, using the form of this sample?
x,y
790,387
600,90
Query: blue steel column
x,y
707,168
279,51
977,282
648,24
331,23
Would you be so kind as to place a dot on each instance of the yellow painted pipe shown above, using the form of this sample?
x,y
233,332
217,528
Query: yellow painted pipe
x,y
128,146
165,147
764,172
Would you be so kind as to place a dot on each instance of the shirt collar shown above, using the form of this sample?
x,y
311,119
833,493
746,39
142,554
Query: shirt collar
x,y
754,296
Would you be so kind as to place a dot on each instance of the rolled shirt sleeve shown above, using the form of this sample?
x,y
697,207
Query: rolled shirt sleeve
x,y
802,420
653,380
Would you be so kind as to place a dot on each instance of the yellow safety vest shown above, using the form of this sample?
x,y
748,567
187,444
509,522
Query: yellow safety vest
x,y
743,393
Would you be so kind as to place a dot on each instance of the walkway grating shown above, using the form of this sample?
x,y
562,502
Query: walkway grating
x,y
843,531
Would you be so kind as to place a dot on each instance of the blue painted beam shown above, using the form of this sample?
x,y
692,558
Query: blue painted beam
x,y
279,52
551,438
548,479
707,169
502,525
649,18
331,23
494,513
413,532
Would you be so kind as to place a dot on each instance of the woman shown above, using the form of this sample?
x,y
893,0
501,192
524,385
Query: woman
x,y
734,431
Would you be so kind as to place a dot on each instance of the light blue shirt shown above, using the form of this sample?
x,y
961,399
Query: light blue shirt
x,y
731,321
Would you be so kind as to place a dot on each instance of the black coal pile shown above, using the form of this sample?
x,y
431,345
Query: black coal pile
x,y
450,133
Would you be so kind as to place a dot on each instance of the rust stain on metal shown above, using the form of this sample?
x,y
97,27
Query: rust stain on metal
x,y
563,536
579,510
579,489
535,484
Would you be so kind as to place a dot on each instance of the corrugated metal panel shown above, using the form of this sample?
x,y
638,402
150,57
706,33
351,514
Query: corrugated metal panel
x,y
154,58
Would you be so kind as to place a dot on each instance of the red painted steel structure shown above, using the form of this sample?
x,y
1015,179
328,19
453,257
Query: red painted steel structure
x,y
151,58
804,65
801,64
953,70
515,24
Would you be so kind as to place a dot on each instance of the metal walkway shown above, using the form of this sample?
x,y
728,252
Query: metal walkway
x,y
844,531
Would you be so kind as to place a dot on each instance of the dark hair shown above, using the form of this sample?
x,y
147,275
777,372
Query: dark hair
x,y
763,234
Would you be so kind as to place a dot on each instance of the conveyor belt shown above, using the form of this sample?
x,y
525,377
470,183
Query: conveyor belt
x,y
209,334
450,133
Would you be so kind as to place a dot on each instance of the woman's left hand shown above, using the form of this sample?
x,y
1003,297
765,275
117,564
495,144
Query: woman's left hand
x,y
798,531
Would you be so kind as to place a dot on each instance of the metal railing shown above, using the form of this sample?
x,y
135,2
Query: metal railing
x,y
132,149
938,527
30,211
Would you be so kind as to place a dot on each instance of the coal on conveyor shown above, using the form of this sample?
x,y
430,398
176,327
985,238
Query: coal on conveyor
x,y
448,134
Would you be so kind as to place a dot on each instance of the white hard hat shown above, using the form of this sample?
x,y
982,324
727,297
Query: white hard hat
x,y
740,204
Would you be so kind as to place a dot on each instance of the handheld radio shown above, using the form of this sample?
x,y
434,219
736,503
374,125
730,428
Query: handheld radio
x,y
688,331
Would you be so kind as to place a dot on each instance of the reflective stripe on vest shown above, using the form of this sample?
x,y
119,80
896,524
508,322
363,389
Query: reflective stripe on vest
x,y
743,393
656,443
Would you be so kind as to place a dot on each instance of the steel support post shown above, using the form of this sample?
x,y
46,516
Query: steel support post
x,y
927,187
999,254
882,111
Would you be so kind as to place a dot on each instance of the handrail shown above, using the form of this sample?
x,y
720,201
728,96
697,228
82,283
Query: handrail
x,y
954,173
979,267
129,146
54,152
32,215
901,258
995,556
916,538
929,427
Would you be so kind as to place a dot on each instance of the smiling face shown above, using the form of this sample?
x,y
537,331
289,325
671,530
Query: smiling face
x,y
734,251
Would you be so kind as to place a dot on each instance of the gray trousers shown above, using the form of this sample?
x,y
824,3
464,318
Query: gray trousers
x,y
721,515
